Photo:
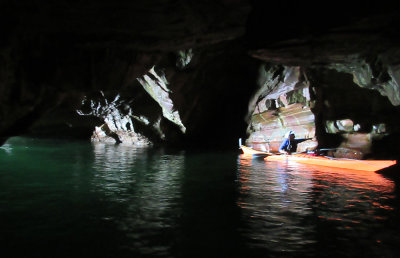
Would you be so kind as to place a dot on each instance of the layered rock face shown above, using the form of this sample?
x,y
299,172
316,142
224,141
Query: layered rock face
x,y
282,105
199,73
326,106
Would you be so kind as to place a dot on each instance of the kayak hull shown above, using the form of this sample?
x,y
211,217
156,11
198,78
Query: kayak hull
x,y
365,165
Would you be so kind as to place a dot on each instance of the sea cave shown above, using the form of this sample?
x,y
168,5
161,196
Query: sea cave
x,y
194,77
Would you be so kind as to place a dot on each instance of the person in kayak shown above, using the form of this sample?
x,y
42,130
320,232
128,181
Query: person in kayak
x,y
289,145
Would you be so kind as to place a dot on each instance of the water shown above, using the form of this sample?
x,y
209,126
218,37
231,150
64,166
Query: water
x,y
77,199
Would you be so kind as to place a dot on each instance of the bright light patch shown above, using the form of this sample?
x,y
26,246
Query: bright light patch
x,y
156,86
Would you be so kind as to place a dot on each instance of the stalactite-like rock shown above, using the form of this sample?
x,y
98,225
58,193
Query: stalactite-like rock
x,y
157,87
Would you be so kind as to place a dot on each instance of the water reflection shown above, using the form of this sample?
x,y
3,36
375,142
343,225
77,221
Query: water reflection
x,y
6,148
96,200
274,200
147,183
286,205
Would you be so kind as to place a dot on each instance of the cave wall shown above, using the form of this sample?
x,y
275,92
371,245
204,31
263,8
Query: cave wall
x,y
355,120
349,54
282,104
197,73
57,54
197,101
327,106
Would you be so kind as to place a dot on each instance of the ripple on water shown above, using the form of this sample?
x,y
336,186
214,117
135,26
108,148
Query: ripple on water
x,y
294,208
113,201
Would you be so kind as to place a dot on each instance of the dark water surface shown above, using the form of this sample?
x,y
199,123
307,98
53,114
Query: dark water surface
x,y
77,199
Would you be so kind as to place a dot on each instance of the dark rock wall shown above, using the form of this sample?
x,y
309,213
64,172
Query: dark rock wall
x,y
206,57
354,119
209,93
46,77
212,93
53,51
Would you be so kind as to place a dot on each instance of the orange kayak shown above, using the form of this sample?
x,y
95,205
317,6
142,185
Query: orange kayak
x,y
250,151
365,165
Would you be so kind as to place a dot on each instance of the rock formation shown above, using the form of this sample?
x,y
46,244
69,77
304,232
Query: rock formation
x,y
199,73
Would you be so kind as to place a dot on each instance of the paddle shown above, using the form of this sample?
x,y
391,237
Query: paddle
x,y
298,152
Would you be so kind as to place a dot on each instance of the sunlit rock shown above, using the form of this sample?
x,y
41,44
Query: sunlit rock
x,y
267,129
344,125
157,86
124,137
119,125
378,74
184,58
274,82
281,104
379,129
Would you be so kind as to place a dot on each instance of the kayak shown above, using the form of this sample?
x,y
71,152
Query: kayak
x,y
253,152
365,165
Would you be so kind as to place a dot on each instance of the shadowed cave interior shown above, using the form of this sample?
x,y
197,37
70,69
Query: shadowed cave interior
x,y
203,74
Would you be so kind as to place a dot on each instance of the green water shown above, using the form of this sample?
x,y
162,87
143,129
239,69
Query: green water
x,y
77,199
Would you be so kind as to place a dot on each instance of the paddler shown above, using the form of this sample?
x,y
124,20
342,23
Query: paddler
x,y
289,145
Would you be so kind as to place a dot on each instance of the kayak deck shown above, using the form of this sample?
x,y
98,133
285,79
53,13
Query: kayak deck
x,y
365,165
250,151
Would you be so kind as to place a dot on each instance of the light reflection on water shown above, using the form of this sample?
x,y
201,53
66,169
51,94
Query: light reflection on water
x,y
274,200
290,208
6,148
148,185
101,200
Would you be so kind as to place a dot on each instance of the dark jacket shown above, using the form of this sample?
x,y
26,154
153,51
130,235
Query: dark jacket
x,y
290,145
